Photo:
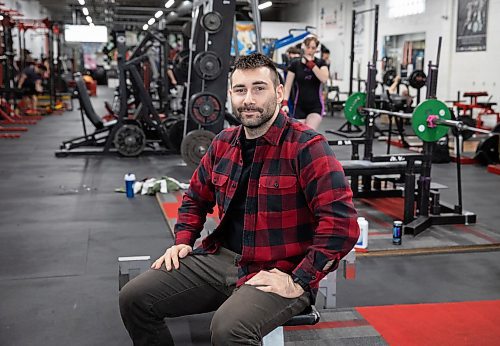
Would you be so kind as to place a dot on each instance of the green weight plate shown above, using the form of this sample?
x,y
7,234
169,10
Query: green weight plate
x,y
419,120
351,109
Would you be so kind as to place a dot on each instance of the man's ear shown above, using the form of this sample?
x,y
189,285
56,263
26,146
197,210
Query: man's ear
x,y
280,92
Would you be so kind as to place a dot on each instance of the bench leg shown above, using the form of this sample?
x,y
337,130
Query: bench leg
x,y
275,338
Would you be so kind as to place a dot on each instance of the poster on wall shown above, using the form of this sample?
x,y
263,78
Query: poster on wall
x,y
331,20
246,37
472,21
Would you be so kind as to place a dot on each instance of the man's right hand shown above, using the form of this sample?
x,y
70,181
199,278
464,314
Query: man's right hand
x,y
172,256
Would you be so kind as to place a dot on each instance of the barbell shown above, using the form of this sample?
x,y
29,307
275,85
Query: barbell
x,y
430,120
417,78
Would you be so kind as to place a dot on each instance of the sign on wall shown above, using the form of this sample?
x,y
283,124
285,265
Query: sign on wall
x,y
472,21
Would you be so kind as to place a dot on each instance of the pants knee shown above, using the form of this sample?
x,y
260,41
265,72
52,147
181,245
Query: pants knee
x,y
225,330
131,299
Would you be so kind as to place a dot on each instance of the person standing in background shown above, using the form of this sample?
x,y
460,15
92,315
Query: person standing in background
x,y
308,74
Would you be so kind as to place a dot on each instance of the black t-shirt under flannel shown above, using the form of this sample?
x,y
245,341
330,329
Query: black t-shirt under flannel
x,y
232,228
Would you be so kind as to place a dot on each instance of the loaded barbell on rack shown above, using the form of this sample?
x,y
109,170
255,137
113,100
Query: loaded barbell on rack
x,y
430,120
417,78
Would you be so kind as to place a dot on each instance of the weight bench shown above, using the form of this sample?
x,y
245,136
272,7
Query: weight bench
x,y
130,267
86,106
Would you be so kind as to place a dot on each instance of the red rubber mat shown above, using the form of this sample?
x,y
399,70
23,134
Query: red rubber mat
x,y
391,206
464,323
495,169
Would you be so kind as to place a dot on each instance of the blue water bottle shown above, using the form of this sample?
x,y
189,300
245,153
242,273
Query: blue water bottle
x,y
129,184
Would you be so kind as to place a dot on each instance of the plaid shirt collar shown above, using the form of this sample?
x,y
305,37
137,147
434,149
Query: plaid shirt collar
x,y
272,136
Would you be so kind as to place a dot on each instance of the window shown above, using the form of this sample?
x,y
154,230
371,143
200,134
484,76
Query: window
x,y
402,8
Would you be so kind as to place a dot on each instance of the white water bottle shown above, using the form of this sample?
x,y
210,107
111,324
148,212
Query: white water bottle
x,y
363,233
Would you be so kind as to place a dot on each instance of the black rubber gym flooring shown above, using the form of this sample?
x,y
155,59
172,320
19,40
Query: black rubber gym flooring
x,y
62,228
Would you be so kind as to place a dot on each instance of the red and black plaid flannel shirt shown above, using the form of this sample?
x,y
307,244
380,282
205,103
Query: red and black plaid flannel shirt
x,y
299,215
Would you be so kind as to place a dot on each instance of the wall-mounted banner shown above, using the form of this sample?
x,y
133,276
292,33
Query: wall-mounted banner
x,y
471,25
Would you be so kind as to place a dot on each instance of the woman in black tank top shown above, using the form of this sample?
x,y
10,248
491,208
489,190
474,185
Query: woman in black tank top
x,y
308,74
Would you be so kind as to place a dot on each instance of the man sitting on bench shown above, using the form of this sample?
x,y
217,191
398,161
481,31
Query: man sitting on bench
x,y
287,218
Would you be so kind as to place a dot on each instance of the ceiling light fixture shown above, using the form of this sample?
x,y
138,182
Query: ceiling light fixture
x,y
145,27
81,2
85,11
151,21
265,5
169,3
158,14
88,19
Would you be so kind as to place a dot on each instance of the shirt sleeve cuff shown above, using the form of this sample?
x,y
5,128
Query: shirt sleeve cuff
x,y
301,282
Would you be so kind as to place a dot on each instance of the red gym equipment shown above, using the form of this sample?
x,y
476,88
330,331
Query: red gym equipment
x,y
486,108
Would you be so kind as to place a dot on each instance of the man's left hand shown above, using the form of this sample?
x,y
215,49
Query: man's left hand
x,y
276,281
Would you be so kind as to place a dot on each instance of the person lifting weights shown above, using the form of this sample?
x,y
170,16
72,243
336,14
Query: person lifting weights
x,y
31,84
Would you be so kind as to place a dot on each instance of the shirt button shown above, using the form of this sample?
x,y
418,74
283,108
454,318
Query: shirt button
x,y
313,277
276,184
233,185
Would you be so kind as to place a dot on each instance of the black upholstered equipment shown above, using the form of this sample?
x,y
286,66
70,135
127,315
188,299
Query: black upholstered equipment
x,y
86,104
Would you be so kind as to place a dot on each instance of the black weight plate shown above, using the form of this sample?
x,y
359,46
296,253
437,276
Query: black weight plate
x,y
467,120
417,79
389,77
487,151
207,65
129,140
205,108
211,22
195,145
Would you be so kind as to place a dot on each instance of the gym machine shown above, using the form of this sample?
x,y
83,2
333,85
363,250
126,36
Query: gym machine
x,y
144,132
208,68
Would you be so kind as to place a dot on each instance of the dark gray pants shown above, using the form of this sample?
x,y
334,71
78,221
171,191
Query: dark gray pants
x,y
203,283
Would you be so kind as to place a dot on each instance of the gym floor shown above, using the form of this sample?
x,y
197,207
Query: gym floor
x,y
63,227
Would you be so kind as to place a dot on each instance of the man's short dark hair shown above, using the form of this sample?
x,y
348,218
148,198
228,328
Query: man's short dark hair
x,y
253,61
294,50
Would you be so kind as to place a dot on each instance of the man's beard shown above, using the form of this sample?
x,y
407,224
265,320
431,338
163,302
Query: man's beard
x,y
265,114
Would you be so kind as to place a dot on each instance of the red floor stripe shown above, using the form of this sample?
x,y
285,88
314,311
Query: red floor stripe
x,y
495,169
477,233
382,223
170,209
391,206
330,325
457,324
